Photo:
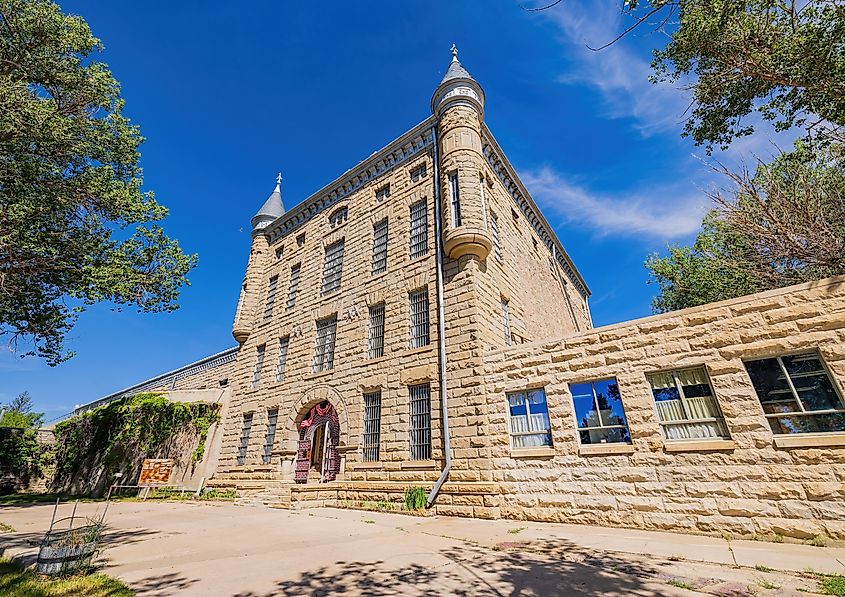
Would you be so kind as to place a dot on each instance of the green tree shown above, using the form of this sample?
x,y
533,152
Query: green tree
x,y
75,226
18,413
783,225
781,59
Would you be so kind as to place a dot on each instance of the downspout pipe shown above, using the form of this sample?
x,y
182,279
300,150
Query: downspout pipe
x,y
441,328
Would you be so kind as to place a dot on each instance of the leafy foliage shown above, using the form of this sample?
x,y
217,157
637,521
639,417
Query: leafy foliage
x,y
783,225
117,437
415,498
18,413
22,457
76,228
783,60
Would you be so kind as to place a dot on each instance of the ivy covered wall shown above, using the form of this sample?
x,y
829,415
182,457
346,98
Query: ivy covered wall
x,y
116,438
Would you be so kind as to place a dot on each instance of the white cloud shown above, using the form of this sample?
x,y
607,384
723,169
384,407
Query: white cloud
x,y
619,72
660,212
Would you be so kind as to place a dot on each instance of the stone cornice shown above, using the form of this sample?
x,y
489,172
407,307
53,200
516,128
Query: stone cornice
x,y
507,175
409,145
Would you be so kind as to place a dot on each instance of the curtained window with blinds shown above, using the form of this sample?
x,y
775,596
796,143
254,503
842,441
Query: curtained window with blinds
x,y
686,406
529,419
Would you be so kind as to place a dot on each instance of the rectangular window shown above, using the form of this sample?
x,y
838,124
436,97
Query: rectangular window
x,y
418,302
419,229
294,285
324,348
494,231
259,363
283,358
483,200
506,322
332,267
300,240
455,200
598,412
280,251
420,422
244,443
686,406
380,247
372,426
383,193
418,173
271,296
797,394
375,341
241,301
270,436
529,416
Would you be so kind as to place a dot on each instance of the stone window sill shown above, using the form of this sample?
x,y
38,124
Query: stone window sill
x,y
800,440
605,449
700,445
544,452
418,464
318,375
364,466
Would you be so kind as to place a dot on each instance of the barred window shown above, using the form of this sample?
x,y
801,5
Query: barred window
x,y
338,217
332,267
529,418
418,173
455,199
383,193
483,199
372,426
686,406
294,285
420,422
796,394
419,229
271,296
324,348
380,247
506,322
418,301
270,436
259,363
375,334
283,357
280,251
244,443
494,231
300,240
599,414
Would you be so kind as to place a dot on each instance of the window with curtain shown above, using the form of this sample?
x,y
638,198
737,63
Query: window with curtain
x,y
797,394
686,405
599,414
529,419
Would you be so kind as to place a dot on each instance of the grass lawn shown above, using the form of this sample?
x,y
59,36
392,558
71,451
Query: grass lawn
x,y
17,582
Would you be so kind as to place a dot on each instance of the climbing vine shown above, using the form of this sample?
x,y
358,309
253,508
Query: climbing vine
x,y
117,437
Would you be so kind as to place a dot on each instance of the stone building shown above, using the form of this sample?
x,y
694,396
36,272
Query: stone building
x,y
417,322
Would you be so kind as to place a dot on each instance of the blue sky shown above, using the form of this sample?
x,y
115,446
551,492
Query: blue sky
x,y
228,96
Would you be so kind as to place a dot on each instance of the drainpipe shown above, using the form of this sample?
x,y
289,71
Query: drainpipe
x,y
441,328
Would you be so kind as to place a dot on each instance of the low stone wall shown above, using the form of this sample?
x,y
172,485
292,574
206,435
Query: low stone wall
x,y
753,483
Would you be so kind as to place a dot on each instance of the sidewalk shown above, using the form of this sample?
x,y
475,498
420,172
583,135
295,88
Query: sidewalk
x,y
673,546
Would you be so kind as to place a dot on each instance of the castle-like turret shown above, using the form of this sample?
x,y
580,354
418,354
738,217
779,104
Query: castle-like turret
x,y
458,102
272,209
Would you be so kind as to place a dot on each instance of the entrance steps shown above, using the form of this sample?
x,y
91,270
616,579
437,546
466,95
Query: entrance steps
x,y
253,484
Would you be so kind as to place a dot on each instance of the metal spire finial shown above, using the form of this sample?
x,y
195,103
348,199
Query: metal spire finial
x,y
279,183
454,53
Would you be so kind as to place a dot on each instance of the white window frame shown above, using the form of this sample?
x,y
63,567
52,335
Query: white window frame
x,y
688,422
530,422
578,429
454,199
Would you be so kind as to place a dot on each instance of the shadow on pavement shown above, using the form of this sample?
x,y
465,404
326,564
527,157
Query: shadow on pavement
x,y
514,568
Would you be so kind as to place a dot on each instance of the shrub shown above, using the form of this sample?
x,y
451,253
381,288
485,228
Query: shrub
x,y
415,498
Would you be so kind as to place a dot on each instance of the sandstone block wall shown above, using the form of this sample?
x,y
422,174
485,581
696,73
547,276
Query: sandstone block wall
x,y
749,486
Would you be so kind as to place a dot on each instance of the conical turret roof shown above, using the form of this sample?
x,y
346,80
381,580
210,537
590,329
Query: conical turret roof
x,y
272,209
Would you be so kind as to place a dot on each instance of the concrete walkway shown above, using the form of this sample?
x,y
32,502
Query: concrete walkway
x,y
222,549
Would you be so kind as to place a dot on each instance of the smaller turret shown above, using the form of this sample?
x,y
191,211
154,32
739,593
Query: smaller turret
x,y
272,209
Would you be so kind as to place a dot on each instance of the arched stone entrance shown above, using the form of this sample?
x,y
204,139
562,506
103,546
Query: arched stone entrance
x,y
319,437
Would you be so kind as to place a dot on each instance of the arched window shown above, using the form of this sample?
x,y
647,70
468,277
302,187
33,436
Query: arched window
x,y
338,217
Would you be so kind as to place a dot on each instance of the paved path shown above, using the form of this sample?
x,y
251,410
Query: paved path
x,y
222,549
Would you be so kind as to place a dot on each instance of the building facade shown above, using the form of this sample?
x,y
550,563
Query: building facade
x,y
417,322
